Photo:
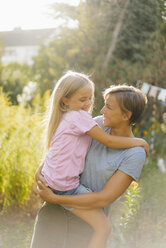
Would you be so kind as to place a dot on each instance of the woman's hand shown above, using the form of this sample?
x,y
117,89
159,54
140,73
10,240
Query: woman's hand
x,y
39,176
46,193
42,187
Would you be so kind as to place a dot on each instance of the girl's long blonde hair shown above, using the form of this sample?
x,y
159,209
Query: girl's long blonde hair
x,y
65,87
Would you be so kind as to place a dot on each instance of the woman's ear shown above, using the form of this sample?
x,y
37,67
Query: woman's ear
x,y
127,115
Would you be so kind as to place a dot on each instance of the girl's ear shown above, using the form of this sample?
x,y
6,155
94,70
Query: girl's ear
x,y
127,115
65,100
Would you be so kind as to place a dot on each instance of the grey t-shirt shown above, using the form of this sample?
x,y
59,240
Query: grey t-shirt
x,y
102,162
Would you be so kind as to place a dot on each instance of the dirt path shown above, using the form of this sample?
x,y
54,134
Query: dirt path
x,y
16,230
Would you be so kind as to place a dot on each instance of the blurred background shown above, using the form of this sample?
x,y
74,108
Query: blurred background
x,y
114,42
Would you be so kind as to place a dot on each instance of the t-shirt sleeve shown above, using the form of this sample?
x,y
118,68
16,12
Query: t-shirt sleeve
x,y
82,122
99,120
133,164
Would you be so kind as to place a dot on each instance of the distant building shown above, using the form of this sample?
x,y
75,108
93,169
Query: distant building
x,y
22,45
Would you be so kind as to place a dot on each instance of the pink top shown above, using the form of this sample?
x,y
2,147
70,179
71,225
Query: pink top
x,y
65,159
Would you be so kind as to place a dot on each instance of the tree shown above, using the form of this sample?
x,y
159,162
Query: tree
x,y
101,28
13,78
1,50
162,16
140,22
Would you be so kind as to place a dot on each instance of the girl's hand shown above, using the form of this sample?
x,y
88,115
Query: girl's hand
x,y
39,176
145,146
45,193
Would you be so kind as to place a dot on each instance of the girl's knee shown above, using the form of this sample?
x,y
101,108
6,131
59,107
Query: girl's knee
x,y
104,228
107,228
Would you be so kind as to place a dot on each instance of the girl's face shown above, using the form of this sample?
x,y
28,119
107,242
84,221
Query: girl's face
x,y
80,100
112,113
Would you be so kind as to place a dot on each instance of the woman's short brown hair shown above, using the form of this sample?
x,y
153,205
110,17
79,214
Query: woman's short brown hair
x,y
130,99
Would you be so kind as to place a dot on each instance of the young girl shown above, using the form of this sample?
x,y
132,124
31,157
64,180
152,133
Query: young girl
x,y
69,133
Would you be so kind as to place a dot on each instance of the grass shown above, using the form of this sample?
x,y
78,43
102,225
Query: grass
x,y
16,224
16,230
145,230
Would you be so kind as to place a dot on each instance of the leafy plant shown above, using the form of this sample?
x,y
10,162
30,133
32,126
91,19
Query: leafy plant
x,y
21,144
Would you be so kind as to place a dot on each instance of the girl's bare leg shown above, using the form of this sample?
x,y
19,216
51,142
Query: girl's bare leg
x,y
100,224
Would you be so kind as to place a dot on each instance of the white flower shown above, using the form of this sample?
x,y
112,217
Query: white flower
x,y
164,116
32,86
163,128
28,92
161,165
19,98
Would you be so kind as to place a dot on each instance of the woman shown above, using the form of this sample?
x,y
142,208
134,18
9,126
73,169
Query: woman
x,y
108,172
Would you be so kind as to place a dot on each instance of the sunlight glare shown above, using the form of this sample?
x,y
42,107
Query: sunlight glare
x,y
31,14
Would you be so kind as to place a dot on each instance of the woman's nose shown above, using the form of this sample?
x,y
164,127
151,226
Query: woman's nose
x,y
102,111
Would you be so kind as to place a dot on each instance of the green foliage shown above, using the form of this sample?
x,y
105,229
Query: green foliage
x,y
160,135
162,8
154,194
13,78
146,227
123,215
21,149
1,50
141,20
152,127
65,11
131,203
138,54
49,64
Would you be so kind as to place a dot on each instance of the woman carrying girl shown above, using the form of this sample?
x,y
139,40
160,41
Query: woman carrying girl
x,y
70,130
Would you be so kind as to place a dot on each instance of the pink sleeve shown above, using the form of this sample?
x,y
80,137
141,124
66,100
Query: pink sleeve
x,y
82,122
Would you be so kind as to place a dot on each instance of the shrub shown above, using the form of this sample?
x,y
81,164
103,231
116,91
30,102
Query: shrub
x,y
20,149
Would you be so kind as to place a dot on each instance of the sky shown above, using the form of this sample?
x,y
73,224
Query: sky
x,y
28,14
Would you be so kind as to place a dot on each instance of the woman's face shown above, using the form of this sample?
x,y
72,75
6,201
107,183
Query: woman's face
x,y
113,115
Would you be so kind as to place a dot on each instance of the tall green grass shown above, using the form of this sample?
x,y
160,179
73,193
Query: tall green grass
x,y
21,147
146,226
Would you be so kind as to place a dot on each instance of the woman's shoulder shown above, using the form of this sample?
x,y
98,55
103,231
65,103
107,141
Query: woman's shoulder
x,y
136,149
99,120
137,153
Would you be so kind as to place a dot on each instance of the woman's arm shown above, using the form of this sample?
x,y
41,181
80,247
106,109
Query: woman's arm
x,y
114,188
116,141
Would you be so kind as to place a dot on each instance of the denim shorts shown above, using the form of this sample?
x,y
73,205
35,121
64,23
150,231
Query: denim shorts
x,y
79,190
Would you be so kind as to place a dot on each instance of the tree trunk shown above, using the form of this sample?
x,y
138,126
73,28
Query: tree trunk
x,y
115,36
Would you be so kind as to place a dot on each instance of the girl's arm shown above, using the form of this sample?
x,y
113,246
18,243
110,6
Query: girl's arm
x,y
39,176
116,141
114,188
